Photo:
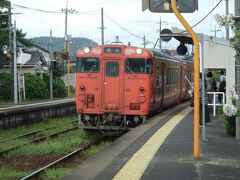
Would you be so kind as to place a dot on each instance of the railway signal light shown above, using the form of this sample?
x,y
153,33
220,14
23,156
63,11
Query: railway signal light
x,y
164,6
7,52
5,49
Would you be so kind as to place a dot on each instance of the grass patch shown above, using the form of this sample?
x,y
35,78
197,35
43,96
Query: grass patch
x,y
6,173
9,133
96,149
13,143
65,143
55,173
57,129
58,173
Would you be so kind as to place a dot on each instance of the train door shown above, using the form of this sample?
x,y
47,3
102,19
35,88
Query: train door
x,y
112,100
163,82
159,83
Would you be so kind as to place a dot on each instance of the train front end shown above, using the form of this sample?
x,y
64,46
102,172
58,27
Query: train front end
x,y
113,86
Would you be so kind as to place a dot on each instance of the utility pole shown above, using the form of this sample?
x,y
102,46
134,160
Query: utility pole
x,y
66,38
227,13
10,25
15,64
51,67
144,42
102,27
237,75
67,42
160,29
65,34
215,31
11,65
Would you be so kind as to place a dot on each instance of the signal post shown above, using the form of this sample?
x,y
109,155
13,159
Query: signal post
x,y
163,6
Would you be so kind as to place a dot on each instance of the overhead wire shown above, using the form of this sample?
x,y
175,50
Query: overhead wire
x,y
55,12
125,29
40,10
203,17
114,21
207,14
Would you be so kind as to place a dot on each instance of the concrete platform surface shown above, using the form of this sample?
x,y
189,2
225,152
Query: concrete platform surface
x,y
173,160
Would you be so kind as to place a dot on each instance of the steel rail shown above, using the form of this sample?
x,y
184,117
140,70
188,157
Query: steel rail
x,y
34,132
37,172
37,140
55,162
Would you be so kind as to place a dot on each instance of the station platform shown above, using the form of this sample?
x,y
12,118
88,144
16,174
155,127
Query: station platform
x,y
162,148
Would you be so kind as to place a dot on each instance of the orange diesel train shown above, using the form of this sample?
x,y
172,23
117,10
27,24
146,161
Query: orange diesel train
x,y
119,85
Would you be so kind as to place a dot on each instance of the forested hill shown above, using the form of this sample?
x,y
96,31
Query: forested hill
x,y
58,43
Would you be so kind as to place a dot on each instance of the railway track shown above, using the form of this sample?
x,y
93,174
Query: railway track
x,y
37,140
58,161
38,157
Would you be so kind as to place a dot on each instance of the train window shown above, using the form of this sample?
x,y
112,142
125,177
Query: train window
x,y
112,69
168,74
138,66
87,64
158,77
111,50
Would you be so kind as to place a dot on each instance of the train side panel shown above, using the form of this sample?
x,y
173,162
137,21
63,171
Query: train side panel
x,y
137,93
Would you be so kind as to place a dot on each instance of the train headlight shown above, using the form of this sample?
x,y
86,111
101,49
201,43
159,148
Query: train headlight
x,y
139,51
82,88
86,50
141,89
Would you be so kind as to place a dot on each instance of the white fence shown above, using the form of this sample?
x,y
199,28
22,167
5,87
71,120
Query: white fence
x,y
214,104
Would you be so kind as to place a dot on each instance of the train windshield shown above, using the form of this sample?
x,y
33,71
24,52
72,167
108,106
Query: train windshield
x,y
87,64
138,66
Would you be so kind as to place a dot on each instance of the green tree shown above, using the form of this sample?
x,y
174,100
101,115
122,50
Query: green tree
x,y
59,88
4,26
5,87
3,23
36,88
234,23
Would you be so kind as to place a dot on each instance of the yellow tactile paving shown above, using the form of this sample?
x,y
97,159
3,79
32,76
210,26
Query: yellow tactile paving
x,y
136,166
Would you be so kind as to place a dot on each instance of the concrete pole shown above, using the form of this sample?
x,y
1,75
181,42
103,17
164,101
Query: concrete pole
x,y
50,68
227,13
203,90
144,42
10,26
10,48
237,69
102,26
65,38
15,64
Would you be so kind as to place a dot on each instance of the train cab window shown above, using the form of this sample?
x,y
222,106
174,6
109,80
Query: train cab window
x,y
138,66
87,64
112,69
112,50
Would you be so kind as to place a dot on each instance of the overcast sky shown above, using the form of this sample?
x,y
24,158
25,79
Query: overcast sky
x,y
119,15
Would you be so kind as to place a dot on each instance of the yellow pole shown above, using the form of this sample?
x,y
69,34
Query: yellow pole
x,y
196,78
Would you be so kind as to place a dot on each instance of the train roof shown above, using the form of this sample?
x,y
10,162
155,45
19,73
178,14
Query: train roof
x,y
166,54
160,53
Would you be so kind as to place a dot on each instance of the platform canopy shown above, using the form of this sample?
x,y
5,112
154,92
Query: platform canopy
x,y
180,35
216,53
